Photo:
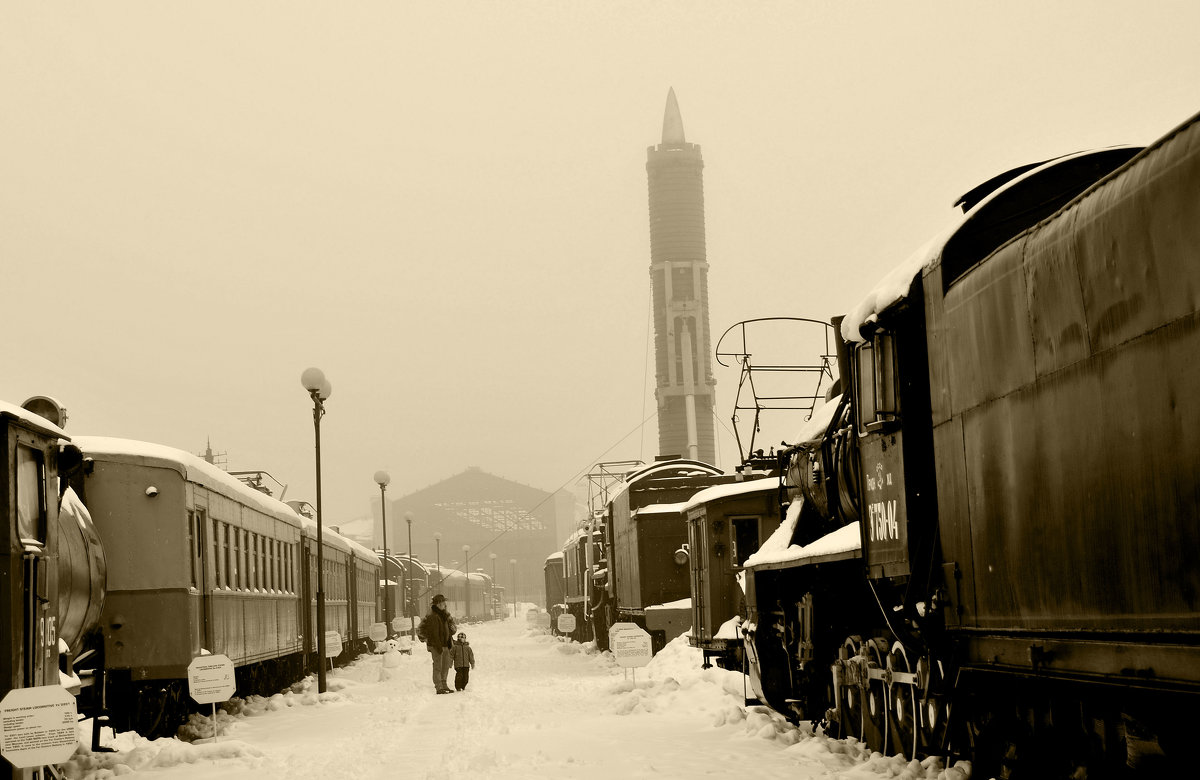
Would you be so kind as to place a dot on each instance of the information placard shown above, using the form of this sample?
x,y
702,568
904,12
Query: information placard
x,y
566,623
37,726
333,644
543,620
377,632
630,645
211,679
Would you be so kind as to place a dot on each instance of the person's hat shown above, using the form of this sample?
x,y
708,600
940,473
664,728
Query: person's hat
x,y
439,599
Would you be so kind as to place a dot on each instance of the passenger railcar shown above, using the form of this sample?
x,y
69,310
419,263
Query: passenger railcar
x,y
410,586
1016,454
200,562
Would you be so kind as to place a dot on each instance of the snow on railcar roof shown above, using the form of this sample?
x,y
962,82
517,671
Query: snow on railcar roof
x,y
660,509
29,418
778,548
731,489
196,469
554,556
685,467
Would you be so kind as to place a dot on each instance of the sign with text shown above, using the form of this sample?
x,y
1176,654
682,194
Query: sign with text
x,y
400,624
377,632
531,617
566,623
211,679
630,644
333,644
37,726
543,620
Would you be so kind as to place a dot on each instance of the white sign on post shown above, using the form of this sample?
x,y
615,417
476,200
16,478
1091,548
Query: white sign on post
x,y
377,632
630,645
333,644
211,679
398,624
37,726
543,620
566,623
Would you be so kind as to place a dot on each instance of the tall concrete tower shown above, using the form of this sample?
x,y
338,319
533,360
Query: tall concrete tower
x,y
685,388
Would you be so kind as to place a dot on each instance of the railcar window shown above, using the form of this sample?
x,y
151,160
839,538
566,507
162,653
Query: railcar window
x,y
195,543
217,555
743,539
230,557
256,580
876,383
31,495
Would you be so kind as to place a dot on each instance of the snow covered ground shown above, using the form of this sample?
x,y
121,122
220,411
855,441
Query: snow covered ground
x,y
536,707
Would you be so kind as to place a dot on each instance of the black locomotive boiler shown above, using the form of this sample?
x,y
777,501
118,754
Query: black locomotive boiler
x,y
1017,452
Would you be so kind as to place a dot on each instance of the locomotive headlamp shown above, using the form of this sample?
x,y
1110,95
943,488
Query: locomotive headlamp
x,y
152,491
681,555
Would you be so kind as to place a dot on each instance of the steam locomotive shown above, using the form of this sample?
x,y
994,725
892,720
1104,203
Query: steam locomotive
x,y
991,548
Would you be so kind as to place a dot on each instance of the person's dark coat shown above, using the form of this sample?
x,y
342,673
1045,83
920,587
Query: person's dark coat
x,y
437,629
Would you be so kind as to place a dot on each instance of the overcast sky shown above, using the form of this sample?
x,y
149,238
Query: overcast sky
x,y
443,205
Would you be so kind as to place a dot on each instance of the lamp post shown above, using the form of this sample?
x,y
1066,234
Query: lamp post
x,y
495,606
437,537
467,571
382,479
513,562
319,389
412,612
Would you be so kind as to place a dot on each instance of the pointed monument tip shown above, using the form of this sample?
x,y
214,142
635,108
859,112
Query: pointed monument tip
x,y
672,121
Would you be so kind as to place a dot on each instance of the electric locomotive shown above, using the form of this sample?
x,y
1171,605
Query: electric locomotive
x,y
628,561
1015,453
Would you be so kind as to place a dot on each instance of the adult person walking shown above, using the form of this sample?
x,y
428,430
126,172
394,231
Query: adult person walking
x,y
437,632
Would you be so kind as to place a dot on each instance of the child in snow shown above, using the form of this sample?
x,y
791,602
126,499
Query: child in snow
x,y
464,661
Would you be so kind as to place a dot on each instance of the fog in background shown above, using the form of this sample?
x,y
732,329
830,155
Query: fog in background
x,y
443,205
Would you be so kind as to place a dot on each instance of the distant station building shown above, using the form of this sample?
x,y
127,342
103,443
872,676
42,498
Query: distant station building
x,y
685,387
488,513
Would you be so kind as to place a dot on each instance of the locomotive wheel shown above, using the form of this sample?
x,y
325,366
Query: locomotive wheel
x,y
851,703
903,699
933,708
875,726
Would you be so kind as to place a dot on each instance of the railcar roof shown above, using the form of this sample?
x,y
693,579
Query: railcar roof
x,y
894,287
777,552
200,471
29,418
717,492
677,468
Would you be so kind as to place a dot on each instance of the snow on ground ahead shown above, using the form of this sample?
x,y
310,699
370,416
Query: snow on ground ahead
x,y
536,707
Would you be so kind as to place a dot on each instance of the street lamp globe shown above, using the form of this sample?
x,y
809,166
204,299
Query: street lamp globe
x,y
312,379
382,479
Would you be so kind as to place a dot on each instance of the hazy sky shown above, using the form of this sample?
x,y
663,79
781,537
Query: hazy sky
x,y
443,205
